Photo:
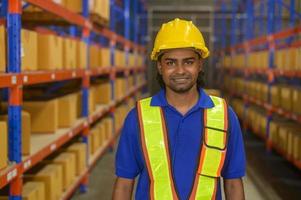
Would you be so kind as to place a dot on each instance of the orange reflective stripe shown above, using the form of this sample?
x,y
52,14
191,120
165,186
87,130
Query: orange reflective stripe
x,y
146,158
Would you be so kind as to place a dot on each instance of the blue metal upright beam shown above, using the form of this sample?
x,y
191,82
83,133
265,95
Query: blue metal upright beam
x,y
292,13
15,92
85,35
270,30
249,28
14,66
234,22
127,27
223,24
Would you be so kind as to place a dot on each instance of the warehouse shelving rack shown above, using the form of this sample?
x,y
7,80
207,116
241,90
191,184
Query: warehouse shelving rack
x,y
245,17
15,79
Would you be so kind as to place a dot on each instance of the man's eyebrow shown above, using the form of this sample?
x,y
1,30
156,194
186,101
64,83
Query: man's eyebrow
x,y
190,58
170,59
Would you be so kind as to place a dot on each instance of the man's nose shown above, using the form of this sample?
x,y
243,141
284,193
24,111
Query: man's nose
x,y
180,69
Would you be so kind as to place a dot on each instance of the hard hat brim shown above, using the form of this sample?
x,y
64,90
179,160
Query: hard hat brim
x,y
203,52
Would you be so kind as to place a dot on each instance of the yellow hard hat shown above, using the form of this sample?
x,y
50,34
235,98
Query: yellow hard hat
x,y
179,33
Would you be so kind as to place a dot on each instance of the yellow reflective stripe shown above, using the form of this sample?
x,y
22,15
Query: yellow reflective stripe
x,y
213,152
216,114
156,150
215,138
211,163
206,188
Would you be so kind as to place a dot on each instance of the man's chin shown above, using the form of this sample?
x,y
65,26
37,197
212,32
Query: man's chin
x,y
181,90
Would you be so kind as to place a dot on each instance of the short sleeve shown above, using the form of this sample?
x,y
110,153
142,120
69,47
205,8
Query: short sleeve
x,y
128,159
235,161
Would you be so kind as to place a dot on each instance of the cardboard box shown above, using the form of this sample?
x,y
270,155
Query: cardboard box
x,y
50,52
120,87
71,165
273,134
105,9
94,140
103,93
105,57
296,101
119,58
100,8
79,150
29,50
95,60
108,127
26,131
275,95
297,58
40,188
101,134
92,104
3,145
43,115
2,49
63,161
264,92
33,191
282,140
79,104
291,61
90,142
297,146
81,55
47,175
74,5
69,52
286,98
292,131
67,111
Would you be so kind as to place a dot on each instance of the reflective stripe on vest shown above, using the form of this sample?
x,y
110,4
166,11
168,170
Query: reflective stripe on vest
x,y
154,142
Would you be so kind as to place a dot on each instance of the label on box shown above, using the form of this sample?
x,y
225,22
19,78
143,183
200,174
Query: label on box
x,y
57,1
91,4
22,51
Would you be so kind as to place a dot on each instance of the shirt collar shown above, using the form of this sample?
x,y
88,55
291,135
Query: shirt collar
x,y
204,101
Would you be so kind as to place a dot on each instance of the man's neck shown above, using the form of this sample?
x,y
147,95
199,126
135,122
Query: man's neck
x,y
183,102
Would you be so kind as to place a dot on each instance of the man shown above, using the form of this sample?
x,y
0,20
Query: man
x,y
180,141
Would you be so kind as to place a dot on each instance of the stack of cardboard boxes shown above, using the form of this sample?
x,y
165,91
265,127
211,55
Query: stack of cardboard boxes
x,y
100,134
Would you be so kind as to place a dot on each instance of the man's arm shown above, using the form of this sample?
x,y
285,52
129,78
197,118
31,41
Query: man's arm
x,y
123,189
234,189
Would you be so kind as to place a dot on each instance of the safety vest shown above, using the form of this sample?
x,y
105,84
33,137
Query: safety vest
x,y
154,142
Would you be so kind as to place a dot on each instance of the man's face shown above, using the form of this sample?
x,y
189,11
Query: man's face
x,y
179,69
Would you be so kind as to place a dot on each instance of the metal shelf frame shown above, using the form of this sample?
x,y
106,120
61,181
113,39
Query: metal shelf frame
x,y
15,79
258,25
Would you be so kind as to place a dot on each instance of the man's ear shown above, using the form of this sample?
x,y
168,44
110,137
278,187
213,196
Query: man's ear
x,y
159,67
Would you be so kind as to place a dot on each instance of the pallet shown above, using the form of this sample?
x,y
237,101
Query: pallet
x,y
39,18
98,21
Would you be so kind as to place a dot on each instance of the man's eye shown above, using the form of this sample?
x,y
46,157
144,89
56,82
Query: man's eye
x,y
170,63
189,62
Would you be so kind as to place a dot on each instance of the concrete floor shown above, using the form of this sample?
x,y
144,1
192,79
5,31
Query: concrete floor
x,y
102,181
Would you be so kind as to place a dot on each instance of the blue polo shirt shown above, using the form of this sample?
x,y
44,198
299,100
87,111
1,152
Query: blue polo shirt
x,y
185,136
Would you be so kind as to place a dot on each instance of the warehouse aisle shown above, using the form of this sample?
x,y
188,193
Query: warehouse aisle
x,y
102,181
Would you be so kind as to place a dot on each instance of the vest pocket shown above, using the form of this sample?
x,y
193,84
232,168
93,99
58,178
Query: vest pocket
x,y
215,138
